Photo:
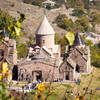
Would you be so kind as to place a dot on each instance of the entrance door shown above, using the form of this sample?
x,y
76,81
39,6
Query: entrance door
x,y
15,73
67,76
77,68
37,75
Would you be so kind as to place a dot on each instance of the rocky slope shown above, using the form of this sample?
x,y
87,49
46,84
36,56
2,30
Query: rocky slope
x,y
33,15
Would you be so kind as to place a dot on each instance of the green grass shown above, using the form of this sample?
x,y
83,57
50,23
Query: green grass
x,y
60,88
85,82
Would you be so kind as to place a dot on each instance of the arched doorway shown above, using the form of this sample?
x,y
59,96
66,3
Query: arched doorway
x,y
77,68
67,76
37,75
15,72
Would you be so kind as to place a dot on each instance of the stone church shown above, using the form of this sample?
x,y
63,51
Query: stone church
x,y
77,60
43,58
44,61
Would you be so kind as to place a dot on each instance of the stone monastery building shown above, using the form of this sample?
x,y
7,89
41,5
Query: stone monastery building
x,y
44,61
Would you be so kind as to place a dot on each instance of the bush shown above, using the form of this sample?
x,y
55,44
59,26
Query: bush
x,y
5,20
78,12
21,50
95,56
83,24
57,38
64,22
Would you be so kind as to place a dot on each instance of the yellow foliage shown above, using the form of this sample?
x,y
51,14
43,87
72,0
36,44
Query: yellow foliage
x,y
41,87
79,98
70,37
4,68
0,77
51,92
36,96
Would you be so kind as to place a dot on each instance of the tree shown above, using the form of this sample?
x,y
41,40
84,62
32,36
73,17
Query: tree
x,y
6,20
15,29
57,38
63,43
71,3
64,22
70,38
78,12
79,4
22,50
86,4
95,55
82,24
95,19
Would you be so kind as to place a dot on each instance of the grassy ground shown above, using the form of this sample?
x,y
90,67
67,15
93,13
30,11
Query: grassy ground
x,y
91,81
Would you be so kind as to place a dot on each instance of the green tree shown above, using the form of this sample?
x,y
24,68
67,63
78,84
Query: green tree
x,y
4,93
82,24
6,20
95,55
63,43
96,18
86,4
87,42
21,50
57,38
78,12
15,29
64,22
71,3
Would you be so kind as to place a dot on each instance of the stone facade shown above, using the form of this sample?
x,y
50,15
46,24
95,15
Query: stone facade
x,y
77,61
44,62
35,70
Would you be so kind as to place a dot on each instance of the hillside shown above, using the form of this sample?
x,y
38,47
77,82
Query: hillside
x,y
33,14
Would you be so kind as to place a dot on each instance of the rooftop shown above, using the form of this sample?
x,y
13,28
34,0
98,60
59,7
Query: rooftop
x,y
78,40
45,28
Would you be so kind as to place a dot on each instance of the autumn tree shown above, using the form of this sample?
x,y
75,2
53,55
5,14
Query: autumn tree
x,y
82,24
5,20
64,22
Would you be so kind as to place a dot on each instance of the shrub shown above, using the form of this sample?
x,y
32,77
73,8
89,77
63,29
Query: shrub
x,y
21,50
64,22
5,20
78,12
82,23
95,56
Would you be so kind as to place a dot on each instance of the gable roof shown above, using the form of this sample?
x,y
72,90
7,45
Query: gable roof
x,y
45,28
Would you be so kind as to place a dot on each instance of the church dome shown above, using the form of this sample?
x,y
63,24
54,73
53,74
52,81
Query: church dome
x,y
45,28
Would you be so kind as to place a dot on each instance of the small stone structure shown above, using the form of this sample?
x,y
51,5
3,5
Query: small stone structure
x,y
48,2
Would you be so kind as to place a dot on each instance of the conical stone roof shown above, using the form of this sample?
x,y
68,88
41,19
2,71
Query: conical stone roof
x,y
45,28
78,40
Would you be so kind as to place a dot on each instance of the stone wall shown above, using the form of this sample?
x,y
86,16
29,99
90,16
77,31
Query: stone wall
x,y
77,57
47,71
